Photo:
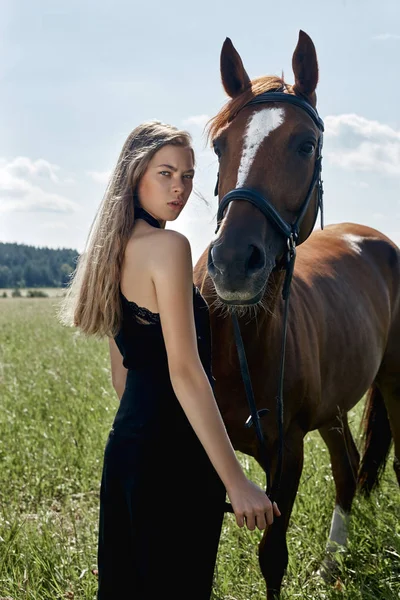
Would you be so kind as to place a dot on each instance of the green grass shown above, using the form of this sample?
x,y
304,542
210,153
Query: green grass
x,y
57,405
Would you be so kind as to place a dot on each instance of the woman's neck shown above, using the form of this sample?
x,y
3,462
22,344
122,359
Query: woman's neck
x,y
141,213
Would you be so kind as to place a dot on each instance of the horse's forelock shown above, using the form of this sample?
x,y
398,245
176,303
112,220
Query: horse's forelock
x,y
258,86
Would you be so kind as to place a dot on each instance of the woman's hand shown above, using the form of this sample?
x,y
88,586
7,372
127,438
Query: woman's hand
x,y
252,506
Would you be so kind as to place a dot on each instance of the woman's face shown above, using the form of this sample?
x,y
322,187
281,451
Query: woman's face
x,y
167,182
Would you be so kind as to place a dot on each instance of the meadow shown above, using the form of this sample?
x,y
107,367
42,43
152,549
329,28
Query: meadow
x,y
56,408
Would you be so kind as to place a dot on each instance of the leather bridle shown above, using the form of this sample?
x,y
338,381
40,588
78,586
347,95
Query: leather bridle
x,y
290,232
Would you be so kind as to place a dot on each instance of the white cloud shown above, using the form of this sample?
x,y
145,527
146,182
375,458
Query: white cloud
x,y
357,143
360,184
19,194
24,167
38,201
198,120
383,37
100,176
52,225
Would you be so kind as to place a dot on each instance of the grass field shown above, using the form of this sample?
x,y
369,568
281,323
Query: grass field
x,y
56,408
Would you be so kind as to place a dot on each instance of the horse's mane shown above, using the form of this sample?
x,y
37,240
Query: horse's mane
x,y
269,83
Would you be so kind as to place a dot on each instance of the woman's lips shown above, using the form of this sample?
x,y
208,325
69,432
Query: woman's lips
x,y
176,205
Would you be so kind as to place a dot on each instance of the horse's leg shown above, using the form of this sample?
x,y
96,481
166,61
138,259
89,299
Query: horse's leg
x,y
390,389
345,460
273,553
388,380
377,435
382,417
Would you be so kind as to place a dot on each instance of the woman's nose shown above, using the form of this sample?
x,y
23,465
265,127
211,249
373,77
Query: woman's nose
x,y
178,185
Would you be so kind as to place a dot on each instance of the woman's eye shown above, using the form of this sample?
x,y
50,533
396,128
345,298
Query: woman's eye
x,y
188,176
164,173
308,148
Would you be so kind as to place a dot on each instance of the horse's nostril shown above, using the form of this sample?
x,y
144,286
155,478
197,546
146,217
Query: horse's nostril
x,y
256,260
212,264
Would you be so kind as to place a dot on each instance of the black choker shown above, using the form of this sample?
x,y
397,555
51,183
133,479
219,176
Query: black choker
x,y
140,213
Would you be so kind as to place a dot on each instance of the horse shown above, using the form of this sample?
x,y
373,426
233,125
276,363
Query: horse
x,y
343,325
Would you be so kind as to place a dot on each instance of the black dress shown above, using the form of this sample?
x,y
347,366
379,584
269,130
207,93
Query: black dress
x,y
161,500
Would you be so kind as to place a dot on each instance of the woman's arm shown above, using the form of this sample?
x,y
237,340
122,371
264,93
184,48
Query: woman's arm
x,y
118,371
172,274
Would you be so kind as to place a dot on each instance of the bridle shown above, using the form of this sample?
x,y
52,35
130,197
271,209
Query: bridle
x,y
290,231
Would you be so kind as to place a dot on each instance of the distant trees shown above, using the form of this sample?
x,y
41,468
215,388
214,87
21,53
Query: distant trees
x,y
5,276
29,266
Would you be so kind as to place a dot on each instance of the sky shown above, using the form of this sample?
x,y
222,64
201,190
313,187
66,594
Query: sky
x,y
77,76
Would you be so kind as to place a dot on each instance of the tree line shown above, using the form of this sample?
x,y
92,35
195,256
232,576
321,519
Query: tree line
x,y
28,266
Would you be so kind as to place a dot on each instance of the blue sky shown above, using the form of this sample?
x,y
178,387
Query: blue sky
x,y
77,77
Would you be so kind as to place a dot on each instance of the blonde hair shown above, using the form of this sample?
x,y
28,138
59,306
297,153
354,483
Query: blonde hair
x,y
92,301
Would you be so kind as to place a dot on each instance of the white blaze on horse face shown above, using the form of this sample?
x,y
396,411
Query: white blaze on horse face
x,y
339,530
259,126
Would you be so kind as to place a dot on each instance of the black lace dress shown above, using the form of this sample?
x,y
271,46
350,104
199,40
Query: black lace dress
x,y
161,500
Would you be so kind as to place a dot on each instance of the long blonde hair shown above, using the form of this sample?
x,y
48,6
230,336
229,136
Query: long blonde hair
x,y
92,300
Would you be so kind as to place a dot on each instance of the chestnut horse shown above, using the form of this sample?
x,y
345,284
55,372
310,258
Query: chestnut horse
x,y
343,326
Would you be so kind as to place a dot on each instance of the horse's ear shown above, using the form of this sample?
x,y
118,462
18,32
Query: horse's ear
x,y
233,74
305,67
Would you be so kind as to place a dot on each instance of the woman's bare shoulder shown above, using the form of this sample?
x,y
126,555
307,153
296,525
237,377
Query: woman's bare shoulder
x,y
170,236
170,253
173,240
157,241
164,250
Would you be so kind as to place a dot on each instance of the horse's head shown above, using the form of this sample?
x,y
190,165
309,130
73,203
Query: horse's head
x,y
268,140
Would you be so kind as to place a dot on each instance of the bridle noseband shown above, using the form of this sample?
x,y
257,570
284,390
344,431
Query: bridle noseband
x,y
290,231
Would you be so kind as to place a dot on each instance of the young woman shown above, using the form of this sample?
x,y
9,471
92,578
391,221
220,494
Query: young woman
x,y
168,461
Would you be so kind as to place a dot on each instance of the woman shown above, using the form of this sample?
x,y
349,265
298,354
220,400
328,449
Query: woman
x,y
168,462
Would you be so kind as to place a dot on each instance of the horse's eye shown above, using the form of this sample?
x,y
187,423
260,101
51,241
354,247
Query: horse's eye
x,y
217,151
308,148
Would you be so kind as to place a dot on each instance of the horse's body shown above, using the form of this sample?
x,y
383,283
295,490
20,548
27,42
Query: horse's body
x,y
342,340
330,318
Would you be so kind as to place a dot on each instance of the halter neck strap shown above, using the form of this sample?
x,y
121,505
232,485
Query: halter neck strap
x,y
140,213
